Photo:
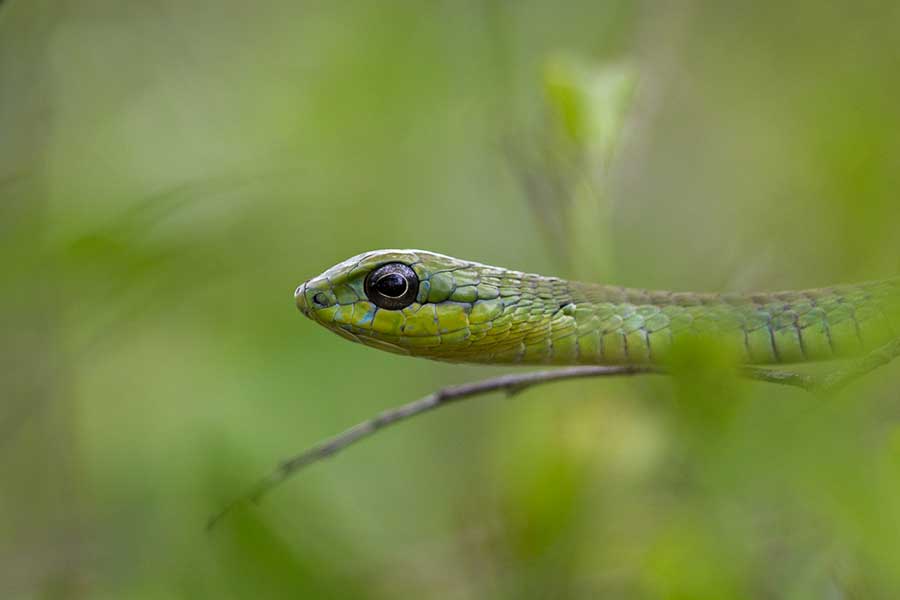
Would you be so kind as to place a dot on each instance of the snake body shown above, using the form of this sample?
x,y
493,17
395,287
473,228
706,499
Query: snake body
x,y
461,311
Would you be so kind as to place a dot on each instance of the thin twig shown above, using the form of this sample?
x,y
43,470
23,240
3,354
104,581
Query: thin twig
x,y
856,369
835,380
511,384
517,382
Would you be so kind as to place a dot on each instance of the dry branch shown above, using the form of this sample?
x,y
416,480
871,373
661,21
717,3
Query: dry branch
x,y
517,382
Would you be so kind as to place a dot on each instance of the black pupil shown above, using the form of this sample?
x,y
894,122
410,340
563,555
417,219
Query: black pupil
x,y
392,285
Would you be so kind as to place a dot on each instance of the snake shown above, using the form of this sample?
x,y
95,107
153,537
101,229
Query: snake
x,y
425,304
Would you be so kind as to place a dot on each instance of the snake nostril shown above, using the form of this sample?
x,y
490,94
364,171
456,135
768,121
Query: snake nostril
x,y
320,299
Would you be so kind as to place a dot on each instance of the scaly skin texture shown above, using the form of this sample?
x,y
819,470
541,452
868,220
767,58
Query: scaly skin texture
x,y
469,312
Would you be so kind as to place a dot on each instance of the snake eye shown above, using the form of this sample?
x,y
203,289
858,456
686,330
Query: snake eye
x,y
392,286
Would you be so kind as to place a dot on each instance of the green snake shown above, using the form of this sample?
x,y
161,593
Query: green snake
x,y
425,304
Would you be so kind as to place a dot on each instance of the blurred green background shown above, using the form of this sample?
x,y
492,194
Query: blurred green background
x,y
171,170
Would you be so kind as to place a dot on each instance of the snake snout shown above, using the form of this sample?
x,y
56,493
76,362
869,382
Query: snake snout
x,y
300,299
312,296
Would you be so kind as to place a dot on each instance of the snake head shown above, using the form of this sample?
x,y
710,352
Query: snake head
x,y
409,301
